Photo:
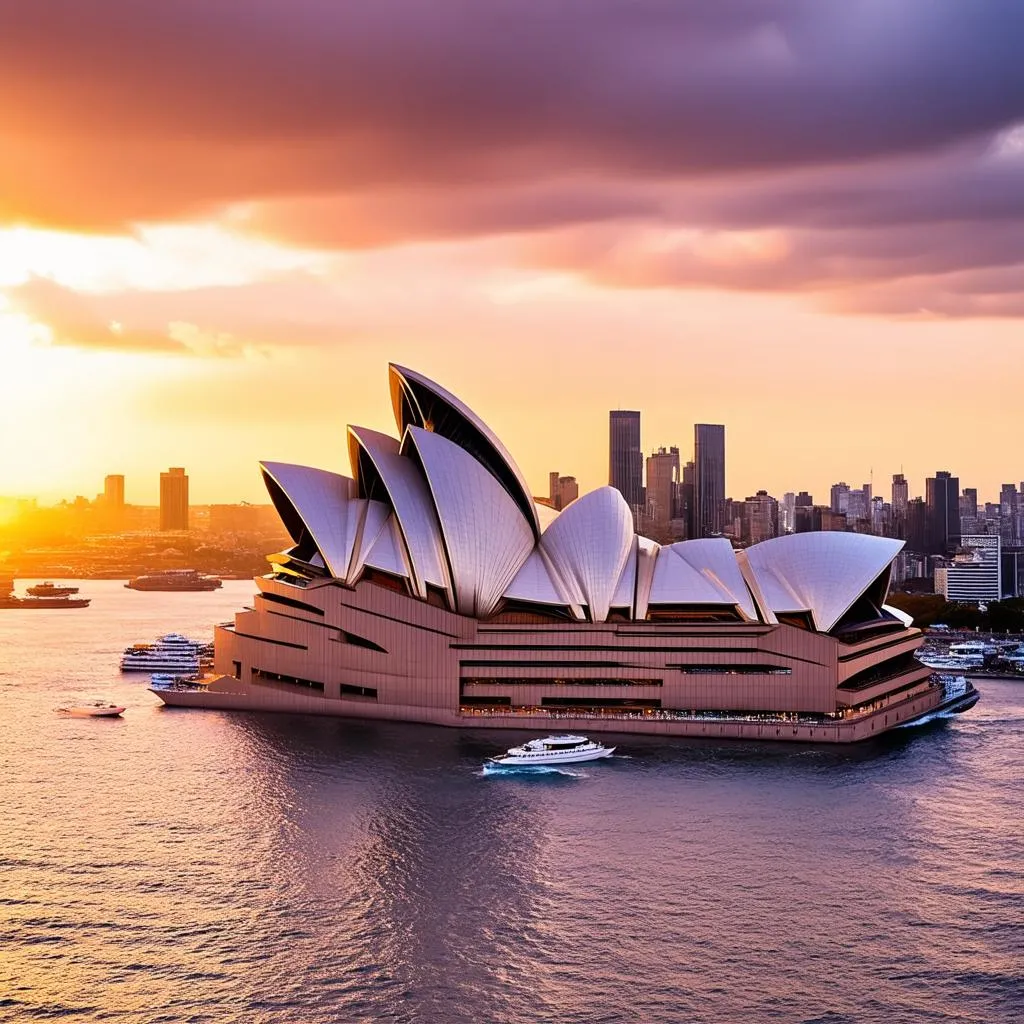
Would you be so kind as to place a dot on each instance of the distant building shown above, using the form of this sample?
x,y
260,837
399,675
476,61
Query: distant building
x,y
858,508
662,483
760,518
834,521
561,490
709,478
900,497
1013,571
917,525
975,574
113,492
687,503
1011,528
174,499
625,457
806,515
942,498
787,512
840,497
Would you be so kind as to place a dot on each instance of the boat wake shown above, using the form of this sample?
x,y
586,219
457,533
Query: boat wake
x,y
529,771
935,716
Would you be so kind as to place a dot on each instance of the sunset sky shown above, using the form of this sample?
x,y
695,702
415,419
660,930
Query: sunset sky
x,y
220,219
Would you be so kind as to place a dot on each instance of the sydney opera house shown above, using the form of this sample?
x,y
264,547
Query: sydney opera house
x,y
429,586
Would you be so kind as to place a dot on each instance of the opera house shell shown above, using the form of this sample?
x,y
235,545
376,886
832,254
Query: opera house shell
x,y
429,586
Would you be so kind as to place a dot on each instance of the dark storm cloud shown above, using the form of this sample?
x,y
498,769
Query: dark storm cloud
x,y
197,101
371,124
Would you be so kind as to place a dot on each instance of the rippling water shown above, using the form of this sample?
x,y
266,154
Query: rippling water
x,y
202,866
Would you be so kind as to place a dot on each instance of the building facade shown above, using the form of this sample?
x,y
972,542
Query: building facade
x,y
975,574
174,499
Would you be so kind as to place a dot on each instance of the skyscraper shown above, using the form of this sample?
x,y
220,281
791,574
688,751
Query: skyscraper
x,y
626,460
113,492
687,503
900,501
900,495
662,482
174,499
942,499
840,501
709,478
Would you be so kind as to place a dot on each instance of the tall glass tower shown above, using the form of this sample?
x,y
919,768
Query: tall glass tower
x,y
626,460
709,478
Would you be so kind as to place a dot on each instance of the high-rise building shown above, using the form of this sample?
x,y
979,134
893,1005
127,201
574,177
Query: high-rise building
x,y
626,459
917,525
975,575
662,482
113,492
806,519
174,499
760,518
787,513
562,490
687,502
942,498
840,497
709,478
900,498
858,504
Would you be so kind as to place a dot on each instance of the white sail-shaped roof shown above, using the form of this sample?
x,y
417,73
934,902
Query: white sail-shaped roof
x,y
715,576
407,491
678,582
373,516
387,552
625,589
418,401
317,501
589,544
534,583
487,538
821,573
646,562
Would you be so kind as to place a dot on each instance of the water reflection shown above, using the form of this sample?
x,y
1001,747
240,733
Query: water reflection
x,y
188,866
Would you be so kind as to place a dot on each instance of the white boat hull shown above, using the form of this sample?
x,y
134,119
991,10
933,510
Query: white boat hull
x,y
553,757
87,712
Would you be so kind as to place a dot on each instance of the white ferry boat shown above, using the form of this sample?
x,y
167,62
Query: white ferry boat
x,y
170,653
554,750
972,649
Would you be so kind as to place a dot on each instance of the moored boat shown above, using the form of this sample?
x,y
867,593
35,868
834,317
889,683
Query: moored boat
x,y
553,750
170,653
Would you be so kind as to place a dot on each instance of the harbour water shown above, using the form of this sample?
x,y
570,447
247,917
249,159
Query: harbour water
x,y
182,866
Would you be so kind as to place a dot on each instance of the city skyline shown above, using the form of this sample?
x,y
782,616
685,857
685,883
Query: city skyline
x,y
144,488
804,253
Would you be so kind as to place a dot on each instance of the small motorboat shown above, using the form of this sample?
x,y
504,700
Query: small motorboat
x,y
92,709
553,750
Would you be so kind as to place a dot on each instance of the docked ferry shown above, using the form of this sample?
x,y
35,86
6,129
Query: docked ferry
x,y
171,653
